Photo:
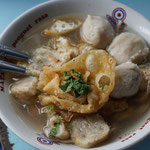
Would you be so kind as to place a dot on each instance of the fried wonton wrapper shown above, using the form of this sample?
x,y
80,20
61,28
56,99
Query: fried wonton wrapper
x,y
63,45
84,47
63,25
101,67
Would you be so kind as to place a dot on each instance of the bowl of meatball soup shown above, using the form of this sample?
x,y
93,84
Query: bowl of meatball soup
x,y
87,82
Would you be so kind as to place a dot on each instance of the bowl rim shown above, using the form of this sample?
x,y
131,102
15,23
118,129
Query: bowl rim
x,y
6,120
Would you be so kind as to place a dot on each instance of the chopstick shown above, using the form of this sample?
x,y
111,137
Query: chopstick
x,y
9,67
13,54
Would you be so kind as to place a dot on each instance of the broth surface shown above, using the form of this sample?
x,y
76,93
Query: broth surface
x,y
120,127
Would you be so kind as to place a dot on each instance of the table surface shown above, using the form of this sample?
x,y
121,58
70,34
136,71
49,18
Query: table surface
x,y
10,9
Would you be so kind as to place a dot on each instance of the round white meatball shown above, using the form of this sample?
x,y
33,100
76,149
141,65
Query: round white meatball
x,y
127,80
97,31
128,46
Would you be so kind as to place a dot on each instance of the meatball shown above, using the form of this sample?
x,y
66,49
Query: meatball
x,y
88,131
62,132
114,106
97,31
127,80
128,46
25,90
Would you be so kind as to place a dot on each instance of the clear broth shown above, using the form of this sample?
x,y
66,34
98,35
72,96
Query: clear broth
x,y
35,39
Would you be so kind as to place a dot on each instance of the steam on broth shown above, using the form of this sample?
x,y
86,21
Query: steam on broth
x,y
86,79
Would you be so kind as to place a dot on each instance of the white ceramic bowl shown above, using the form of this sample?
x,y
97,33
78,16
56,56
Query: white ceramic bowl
x,y
16,120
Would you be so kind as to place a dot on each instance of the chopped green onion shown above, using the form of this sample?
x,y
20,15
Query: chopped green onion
x,y
57,122
64,86
54,130
103,87
61,118
65,74
50,108
68,126
38,93
77,85
68,77
69,87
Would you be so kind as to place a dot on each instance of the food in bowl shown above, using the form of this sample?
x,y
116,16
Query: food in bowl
x,y
84,77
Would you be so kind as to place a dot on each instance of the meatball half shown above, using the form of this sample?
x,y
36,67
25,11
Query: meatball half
x,y
88,131
25,90
97,31
128,46
127,80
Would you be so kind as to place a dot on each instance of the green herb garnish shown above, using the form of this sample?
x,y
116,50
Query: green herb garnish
x,y
73,82
103,87
77,73
50,108
68,126
65,74
60,117
55,129
38,93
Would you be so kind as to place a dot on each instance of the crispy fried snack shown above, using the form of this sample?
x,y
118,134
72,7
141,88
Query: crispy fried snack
x,y
63,25
101,73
